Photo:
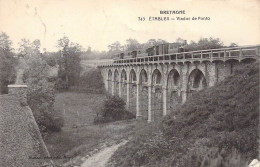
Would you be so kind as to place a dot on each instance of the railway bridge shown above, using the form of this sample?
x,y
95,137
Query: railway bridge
x,y
152,86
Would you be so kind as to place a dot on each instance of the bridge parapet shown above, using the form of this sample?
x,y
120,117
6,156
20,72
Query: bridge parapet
x,y
221,54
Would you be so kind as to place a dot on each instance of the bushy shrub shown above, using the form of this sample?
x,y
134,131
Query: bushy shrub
x,y
41,95
113,109
61,85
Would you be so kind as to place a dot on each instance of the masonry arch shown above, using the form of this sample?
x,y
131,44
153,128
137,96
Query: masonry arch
x,y
248,60
132,76
173,92
156,77
116,82
196,81
123,84
173,79
157,110
143,79
109,81
133,91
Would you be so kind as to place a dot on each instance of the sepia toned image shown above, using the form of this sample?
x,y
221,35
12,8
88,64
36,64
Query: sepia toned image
x,y
152,83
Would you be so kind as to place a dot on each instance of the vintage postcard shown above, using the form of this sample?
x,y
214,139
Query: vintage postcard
x,y
122,83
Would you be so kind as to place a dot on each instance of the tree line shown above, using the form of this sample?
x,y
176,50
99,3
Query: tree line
x,y
133,44
36,75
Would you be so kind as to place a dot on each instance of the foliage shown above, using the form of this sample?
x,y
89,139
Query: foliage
x,y
7,63
90,81
115,47
204,44
131,44
216,127
113,109
52,58
69,64
40,94
153,42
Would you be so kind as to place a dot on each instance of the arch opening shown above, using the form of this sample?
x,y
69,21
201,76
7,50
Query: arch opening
x,y
132,77
143,77
173,80
123,84
156,77
123,76
197,80
173,92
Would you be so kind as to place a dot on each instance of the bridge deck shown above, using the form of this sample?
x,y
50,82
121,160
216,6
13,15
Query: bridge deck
x,y
222,54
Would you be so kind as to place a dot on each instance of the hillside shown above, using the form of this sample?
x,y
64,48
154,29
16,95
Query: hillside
x,y
216,127
21,143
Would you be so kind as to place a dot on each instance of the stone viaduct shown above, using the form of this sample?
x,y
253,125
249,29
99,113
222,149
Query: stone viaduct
x,y
152,86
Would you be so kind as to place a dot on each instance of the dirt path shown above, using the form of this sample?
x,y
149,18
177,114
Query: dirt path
x,y
101,158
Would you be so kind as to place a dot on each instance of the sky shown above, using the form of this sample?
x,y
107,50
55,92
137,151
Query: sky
x,y
98,23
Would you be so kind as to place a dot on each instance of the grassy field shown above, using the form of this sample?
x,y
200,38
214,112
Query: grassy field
x,y
79,136
78,108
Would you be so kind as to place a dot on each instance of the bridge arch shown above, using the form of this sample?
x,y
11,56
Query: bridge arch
x,y
157,110
173,79
123,76
156,77
124,84
132,76
143,77
196,81
173,93
109,80
116,82
248,60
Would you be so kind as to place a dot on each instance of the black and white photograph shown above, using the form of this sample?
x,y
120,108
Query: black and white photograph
x,y
129,83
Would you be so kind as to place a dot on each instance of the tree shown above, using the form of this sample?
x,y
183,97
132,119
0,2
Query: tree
x,y
7,63
204,44
233,45
5,42
40,93
28,48
132,44
113,109
69,64
115,47
153,42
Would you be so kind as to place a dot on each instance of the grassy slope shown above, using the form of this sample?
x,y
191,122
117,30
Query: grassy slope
x,y
216,127
79,136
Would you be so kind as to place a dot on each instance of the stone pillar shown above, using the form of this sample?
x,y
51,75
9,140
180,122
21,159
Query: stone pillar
x,y
149,103
107,88
212,77
184,77
127,95
120,89
164,94
113,88
138,115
